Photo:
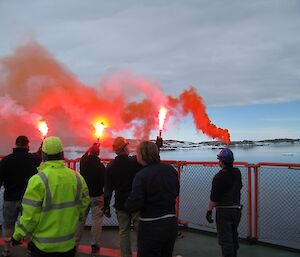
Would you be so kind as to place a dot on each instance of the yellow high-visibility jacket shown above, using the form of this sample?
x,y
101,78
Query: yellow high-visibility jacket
x,y
55,200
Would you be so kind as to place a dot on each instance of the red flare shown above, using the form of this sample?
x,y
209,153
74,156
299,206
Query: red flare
x,y
99,127
162,117
43,128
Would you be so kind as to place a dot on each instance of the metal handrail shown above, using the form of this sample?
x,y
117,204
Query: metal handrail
x,y
253,186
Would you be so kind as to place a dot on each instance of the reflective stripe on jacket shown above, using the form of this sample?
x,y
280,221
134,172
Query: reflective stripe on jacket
x,y
54,201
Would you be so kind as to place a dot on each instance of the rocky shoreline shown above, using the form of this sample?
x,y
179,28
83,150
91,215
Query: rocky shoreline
x,y
172,145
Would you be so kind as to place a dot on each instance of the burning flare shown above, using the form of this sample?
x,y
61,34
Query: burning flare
x,y
43,128
99,127
162,117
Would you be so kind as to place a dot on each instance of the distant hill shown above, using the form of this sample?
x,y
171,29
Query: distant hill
x,y
170,145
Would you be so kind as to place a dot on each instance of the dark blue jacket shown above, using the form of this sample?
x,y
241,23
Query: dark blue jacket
x,y
226,187
154,191
93,171
120,173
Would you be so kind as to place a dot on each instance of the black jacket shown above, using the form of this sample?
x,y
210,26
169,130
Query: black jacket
x,y
119,176
93,171
15,171
154,191
226,187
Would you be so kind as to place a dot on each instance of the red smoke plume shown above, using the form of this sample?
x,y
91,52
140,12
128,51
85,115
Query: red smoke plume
x,y
34,86
191,102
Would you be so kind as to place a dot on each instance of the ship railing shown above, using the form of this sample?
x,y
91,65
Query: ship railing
x,y
270,197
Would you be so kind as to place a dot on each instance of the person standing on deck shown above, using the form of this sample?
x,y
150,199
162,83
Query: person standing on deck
x,y
154,192
226,197
54,201
93,171
15,171
119,176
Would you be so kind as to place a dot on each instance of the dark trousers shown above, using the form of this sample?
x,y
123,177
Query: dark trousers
x,y
35,252
157,238
227,227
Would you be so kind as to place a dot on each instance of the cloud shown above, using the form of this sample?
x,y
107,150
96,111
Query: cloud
x,y
233,52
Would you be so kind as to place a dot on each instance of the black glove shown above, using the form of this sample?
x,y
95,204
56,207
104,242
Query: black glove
x,y
209,216
107,213
15,242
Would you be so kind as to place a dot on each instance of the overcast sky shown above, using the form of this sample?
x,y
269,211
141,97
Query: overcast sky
x,y
236,53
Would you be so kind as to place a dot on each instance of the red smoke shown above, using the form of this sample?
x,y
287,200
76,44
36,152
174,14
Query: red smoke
x,y
33,85
191,102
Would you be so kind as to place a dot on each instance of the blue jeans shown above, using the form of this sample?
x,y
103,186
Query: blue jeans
x,y
11,211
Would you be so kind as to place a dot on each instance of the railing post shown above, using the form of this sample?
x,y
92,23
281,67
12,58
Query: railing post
x,y
179,164
249,191
256,192
68,162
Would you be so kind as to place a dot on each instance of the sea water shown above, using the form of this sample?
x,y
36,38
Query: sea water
x,y
287,153
283,153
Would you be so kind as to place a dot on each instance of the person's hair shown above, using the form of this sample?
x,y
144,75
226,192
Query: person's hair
x,y
149,152
22,141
